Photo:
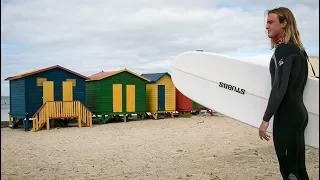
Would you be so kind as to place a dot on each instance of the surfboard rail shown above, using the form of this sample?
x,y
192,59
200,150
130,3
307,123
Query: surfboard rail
x,y
217,86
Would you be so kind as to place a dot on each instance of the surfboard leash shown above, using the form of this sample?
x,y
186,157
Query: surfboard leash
x,y
305,53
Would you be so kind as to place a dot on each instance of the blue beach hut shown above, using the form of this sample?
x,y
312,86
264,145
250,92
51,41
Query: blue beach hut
x,y
30,91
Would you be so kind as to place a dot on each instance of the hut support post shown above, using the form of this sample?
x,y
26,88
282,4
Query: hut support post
x,y
79,122
10,120
48,124
26,123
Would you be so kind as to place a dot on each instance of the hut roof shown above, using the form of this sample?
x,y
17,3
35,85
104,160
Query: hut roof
x,y
43,70
101,75
154,77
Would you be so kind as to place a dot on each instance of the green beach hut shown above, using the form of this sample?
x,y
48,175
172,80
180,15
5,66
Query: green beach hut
x,y
120,92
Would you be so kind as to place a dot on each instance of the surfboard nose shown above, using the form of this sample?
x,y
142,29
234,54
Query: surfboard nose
x,y
184,57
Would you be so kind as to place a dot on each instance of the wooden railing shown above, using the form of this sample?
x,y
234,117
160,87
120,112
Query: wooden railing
x,y
61,109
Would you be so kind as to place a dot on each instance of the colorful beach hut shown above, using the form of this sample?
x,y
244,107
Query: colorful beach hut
x,y
120,92
161,94
198,107
186,105
183,103
45,94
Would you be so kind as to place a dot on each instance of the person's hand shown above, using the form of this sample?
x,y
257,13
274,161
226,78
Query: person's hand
x,y
263,131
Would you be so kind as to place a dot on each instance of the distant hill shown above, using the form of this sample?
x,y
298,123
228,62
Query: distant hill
x,y
5,100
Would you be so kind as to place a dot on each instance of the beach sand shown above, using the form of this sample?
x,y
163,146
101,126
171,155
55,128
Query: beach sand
x,y
200,147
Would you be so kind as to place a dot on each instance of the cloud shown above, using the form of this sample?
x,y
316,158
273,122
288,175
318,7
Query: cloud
x,y
144,36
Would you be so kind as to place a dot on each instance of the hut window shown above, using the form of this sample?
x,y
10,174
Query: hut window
x,y
73,81
40,81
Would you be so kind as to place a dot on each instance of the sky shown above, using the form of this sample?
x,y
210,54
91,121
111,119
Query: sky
x,y
141,35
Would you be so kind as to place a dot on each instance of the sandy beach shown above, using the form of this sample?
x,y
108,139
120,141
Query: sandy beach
x,y
200,147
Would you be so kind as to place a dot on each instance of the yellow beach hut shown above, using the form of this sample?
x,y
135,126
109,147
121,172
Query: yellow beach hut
x,y
161,94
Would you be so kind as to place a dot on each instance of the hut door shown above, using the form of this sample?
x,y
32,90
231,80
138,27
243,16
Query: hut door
x,y
161,98
117,97
48,91
131,98
67,88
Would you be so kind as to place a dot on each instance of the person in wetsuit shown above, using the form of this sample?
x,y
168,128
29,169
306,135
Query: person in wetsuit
x,y
289,72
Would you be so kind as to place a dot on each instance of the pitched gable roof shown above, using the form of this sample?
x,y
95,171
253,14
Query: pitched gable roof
x,y
43,70
154,77
101,75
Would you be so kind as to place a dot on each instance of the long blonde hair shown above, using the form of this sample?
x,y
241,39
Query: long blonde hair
x,y
291,31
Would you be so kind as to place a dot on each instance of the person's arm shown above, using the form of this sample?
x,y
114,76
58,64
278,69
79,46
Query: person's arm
x,y
280,85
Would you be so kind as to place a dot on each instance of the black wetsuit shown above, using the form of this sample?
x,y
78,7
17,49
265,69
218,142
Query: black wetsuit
x,y
289,73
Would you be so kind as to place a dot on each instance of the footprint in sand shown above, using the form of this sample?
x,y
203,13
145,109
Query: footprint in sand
x,y
236,154
215,178
255,153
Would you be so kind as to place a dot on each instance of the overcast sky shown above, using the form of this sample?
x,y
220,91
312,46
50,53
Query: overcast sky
x,y
142,35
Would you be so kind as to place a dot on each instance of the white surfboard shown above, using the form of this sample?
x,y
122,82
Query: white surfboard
x,y
200,75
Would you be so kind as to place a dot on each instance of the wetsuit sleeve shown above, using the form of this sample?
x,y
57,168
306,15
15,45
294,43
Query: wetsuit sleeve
x,y
280,85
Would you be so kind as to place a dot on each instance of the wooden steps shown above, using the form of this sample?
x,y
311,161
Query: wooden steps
x,y
51,110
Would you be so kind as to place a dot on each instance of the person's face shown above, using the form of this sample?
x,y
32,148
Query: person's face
x,y
274,27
